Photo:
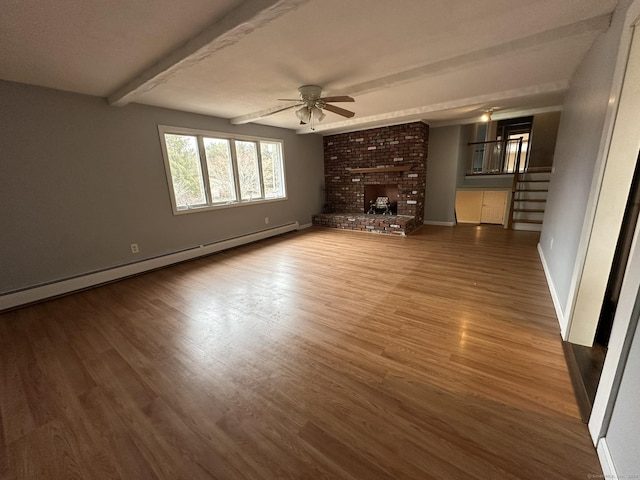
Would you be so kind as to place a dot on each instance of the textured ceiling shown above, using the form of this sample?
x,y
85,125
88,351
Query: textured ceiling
x,y
442,61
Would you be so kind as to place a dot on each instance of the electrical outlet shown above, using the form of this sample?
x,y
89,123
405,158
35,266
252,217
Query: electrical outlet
x,y
134,248
266,220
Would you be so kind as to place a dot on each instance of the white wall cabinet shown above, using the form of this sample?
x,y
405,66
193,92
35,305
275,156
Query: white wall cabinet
x,y
481,206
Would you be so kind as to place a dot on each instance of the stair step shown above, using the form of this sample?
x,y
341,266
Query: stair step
x,y
538,169
529,210
530,190
523,200
528,221
530,227
524,180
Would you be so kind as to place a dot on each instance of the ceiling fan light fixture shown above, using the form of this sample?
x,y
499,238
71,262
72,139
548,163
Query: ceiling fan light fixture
x,y
304,114
317,113
311,105
486,116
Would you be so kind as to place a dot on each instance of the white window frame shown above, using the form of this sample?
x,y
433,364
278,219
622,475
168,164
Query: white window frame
x,y
200,134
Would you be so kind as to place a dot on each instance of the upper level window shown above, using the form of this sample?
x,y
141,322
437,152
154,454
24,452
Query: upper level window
x,y
212,170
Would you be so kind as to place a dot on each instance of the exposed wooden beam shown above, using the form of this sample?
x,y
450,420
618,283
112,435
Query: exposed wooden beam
x,y
415,114
481,56
459,62
250,16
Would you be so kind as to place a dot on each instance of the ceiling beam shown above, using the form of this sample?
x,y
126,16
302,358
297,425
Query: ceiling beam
x,y
588,26
418,113
233,27
505,114
591,25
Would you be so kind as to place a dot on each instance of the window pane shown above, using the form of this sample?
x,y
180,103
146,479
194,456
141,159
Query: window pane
x,y
186,171
220,168
248,173
272,174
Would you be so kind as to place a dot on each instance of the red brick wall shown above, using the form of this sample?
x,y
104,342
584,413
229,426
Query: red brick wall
x,y
398,145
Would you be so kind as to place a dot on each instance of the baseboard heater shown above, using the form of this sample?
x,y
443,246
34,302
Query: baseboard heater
x,y
37,293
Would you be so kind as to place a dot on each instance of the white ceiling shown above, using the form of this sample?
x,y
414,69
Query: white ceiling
x,y
441,61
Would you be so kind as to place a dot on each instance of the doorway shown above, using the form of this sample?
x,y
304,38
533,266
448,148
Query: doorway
x,y
620,259
589,361
510,131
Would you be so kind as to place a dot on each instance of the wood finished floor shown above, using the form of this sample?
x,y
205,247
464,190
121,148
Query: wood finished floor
x,y
321,354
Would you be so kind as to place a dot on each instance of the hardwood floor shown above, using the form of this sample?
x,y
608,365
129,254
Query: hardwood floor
x,y
321,354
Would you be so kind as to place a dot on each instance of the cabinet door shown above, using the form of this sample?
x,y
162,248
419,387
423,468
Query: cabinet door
x,y
494,206
468,206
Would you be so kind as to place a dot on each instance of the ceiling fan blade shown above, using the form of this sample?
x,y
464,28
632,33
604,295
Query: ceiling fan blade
x,y
339,111
343,98
251,117
278,110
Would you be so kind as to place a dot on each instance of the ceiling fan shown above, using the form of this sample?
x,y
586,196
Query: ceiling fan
x,y
312,105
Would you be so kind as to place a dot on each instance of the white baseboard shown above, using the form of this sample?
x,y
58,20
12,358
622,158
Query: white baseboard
x,y
606,462
81,282
442,224
554,295
304,225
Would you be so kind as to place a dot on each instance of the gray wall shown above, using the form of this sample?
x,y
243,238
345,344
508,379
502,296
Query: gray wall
x,y
543,139
442,171
579,136
466,136
80,181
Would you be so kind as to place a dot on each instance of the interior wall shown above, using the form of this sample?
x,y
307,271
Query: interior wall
x,y
580,134
544,134
467,133
80,181
440,197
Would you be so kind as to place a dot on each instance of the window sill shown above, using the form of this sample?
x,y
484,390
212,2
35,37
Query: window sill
x,y
208,208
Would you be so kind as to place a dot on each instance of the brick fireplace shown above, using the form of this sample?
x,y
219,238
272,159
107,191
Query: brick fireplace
x,y
388,161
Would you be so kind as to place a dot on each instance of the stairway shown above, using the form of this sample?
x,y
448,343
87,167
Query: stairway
x,y
529,199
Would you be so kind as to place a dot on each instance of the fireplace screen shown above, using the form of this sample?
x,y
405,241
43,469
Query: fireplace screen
x,y
382,205
381,199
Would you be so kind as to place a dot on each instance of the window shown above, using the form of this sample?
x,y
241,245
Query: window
x,y
211,170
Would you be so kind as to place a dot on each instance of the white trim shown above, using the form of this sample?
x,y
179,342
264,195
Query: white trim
x,y
442,224
624,325
606,462
304,225
62,287
554,294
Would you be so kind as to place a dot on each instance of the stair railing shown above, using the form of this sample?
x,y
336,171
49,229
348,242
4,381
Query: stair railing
x,y
514,184
494,157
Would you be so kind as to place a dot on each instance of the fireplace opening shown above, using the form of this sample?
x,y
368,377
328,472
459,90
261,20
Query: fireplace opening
x,y
373,192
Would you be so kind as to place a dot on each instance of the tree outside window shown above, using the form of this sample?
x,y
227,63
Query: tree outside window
x,y
211,171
